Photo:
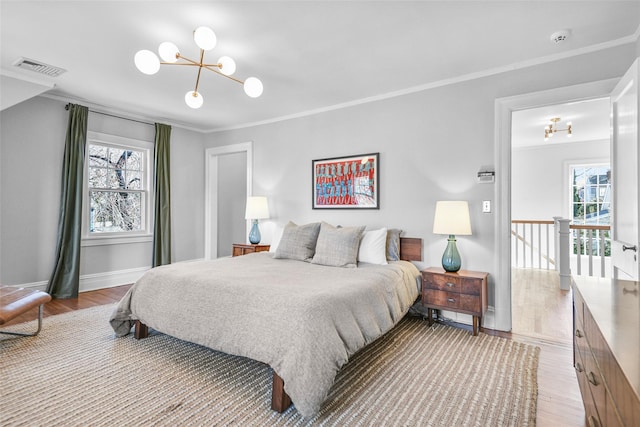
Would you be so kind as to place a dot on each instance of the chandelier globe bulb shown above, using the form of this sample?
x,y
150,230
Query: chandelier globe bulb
x,y
253,87
147,62
168,52
227,65
193,99
205,38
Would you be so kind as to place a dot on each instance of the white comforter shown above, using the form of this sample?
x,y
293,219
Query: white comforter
x,y
304,320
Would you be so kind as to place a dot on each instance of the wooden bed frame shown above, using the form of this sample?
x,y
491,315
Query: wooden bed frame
x,y
410,250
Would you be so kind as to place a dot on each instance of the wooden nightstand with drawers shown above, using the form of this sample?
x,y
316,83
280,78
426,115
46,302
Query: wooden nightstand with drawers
x,y
243,249
460,292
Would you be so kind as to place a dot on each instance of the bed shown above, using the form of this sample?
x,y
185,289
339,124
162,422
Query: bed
x,y
303,319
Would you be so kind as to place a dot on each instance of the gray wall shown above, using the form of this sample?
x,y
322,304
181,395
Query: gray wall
x,y
232,196
32,146
431,143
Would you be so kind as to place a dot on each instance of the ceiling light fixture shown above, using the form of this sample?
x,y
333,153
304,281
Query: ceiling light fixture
x,y
550,129
149,63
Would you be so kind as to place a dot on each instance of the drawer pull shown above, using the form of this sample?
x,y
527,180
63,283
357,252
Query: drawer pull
x,y
593,422
591,377
579,367
451,285
578,333
451,299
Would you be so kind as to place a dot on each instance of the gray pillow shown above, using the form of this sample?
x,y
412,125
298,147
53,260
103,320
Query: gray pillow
x,y
393,244
338,247
298,241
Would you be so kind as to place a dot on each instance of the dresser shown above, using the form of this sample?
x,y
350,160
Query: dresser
x,y
243,249
461,292
606,350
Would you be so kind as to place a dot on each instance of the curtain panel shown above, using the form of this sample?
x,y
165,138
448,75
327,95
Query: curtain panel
x,y
65,279
162,201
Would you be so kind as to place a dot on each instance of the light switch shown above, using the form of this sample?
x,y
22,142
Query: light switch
x,y
486,206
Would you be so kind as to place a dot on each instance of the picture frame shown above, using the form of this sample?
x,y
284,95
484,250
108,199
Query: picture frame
x,y
348,182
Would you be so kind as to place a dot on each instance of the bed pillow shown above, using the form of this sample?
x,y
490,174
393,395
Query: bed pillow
x,y
373,247
393,244
338,247
277,235
298,241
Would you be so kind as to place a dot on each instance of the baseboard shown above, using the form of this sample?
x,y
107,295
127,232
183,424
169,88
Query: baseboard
x,y
91,282
108,279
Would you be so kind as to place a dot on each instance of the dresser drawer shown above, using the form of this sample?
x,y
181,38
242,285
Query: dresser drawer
x,y
452,300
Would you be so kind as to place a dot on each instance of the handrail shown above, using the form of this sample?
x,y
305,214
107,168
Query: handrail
x,y
581,240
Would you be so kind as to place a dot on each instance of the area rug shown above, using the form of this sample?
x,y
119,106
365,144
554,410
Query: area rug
x,y
77,373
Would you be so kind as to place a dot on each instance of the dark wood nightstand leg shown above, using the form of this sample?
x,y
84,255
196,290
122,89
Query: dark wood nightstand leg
x,y
430,316
476,321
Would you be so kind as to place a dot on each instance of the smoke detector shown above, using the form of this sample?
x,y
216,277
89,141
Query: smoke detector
x,y
560,36
38,67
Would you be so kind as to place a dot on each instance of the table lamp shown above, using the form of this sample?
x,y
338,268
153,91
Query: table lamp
x,y
452,217
257,208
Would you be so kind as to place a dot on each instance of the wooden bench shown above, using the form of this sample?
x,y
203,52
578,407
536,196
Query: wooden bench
x,y
16,301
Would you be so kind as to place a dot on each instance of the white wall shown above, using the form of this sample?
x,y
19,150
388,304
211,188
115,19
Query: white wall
x,y
32,146
539,181
431,143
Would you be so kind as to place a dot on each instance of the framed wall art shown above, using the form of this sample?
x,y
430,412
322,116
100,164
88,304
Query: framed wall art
x,y
346,182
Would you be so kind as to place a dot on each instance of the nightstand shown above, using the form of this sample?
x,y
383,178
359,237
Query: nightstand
x,y
460,292
243,249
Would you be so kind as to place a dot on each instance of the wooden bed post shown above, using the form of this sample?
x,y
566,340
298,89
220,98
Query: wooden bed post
x,y
141,331
280,400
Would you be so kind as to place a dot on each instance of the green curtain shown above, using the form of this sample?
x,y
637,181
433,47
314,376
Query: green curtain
x,y
162,208
65,279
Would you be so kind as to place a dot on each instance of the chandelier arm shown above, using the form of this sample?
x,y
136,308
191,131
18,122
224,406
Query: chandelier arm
x,y
199,69
223,75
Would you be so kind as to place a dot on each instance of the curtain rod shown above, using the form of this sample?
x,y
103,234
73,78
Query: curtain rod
x,y
66,107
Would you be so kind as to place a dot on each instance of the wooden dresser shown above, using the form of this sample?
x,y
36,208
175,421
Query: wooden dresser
x,y
606,351
462,292
243,249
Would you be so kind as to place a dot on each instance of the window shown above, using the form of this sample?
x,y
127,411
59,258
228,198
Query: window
x,y
117,187
591,206
591,194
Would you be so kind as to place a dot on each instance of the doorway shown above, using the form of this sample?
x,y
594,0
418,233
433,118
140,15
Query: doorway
x,y
228,182
504,109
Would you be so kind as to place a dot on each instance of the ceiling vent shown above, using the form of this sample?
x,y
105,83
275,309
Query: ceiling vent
x,y
38,67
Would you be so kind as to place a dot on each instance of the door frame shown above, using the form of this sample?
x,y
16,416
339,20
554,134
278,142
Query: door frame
x,y
504,107
211,191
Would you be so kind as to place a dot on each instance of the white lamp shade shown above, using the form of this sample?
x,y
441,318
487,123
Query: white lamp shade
x,y
257,208
227,65
452,217
168,52
147,62
205,38
193,99
253,87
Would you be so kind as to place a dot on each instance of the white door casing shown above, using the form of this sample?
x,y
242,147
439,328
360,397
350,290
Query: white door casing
x,y
211,192
625,237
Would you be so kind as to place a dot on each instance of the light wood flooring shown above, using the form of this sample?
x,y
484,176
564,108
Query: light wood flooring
x,y
538,320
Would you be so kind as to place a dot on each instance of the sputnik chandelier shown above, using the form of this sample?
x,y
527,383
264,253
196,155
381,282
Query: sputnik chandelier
x,y
550,129
148,63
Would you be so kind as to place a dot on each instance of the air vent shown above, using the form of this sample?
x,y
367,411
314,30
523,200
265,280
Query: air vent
x,y
38,67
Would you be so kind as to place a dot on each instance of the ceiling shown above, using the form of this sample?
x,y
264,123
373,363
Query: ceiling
x,y
310,55
590,121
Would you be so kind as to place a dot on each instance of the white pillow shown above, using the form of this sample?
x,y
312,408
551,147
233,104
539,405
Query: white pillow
x,y
277,235
373,247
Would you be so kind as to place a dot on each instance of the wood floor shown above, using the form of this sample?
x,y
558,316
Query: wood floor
x,y
538,320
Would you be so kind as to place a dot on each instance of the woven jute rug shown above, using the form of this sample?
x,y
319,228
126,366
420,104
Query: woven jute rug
x,y
77,373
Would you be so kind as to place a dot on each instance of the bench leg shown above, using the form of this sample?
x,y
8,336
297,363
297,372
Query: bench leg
x,y
21,334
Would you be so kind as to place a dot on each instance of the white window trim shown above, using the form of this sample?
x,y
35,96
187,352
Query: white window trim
x,y
119,238
568,179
